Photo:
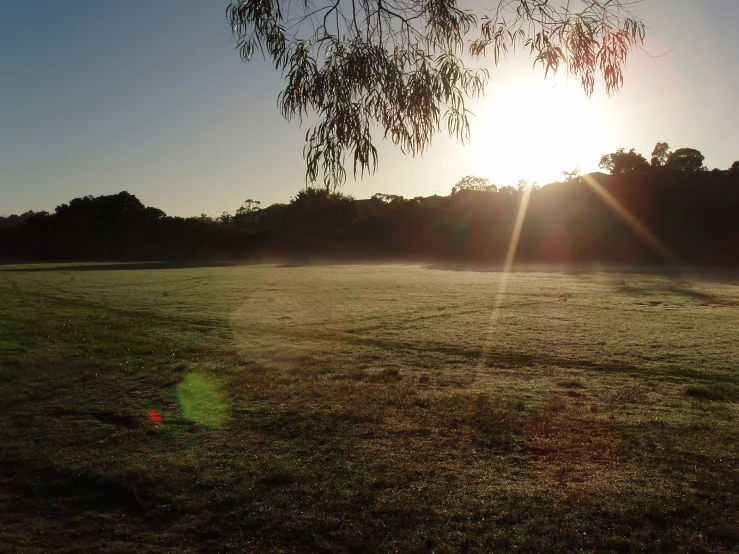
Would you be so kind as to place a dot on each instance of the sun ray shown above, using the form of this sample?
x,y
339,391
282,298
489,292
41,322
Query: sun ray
x,y
504,279
649,238
498,301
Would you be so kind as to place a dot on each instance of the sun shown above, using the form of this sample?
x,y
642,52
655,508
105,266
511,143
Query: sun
x,y
535,130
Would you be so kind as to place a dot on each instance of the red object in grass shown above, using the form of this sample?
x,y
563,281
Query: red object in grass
x,y
155,417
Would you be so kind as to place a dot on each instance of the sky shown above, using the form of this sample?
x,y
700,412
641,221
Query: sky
x,y
151,97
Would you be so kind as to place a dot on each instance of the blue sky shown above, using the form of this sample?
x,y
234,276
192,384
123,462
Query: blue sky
x,y
150,96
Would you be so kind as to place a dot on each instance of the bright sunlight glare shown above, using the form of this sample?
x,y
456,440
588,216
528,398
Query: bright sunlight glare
x,y
535,131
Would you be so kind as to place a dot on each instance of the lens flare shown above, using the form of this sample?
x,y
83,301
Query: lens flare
x,y
155,417
202,400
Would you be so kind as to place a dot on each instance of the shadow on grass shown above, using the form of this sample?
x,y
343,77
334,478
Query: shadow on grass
x,y
496,361
678,288
117,266
563,268
714,391
697,295
84,491
495,358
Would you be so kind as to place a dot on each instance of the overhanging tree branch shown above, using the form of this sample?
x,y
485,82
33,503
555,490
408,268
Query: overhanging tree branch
x,y
399,64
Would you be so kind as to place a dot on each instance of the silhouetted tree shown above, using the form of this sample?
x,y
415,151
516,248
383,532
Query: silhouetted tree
x,y
571,176
225,217
685,159
524,184
399,64
383,198
660,154
471,182
621,162
248,215
734,169
14,220
310,199
250,206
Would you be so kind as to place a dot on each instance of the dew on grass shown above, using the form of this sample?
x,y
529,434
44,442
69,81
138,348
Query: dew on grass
x,y
202,399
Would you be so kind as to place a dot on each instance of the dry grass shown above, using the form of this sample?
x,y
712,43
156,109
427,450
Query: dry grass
x,y
367,408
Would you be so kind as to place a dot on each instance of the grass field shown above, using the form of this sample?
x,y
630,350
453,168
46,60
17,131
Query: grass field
x,y
377,408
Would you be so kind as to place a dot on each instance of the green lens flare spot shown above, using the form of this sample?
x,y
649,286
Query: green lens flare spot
x,y
202,399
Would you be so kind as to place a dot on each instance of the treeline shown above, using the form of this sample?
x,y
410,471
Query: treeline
x,y
645,215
